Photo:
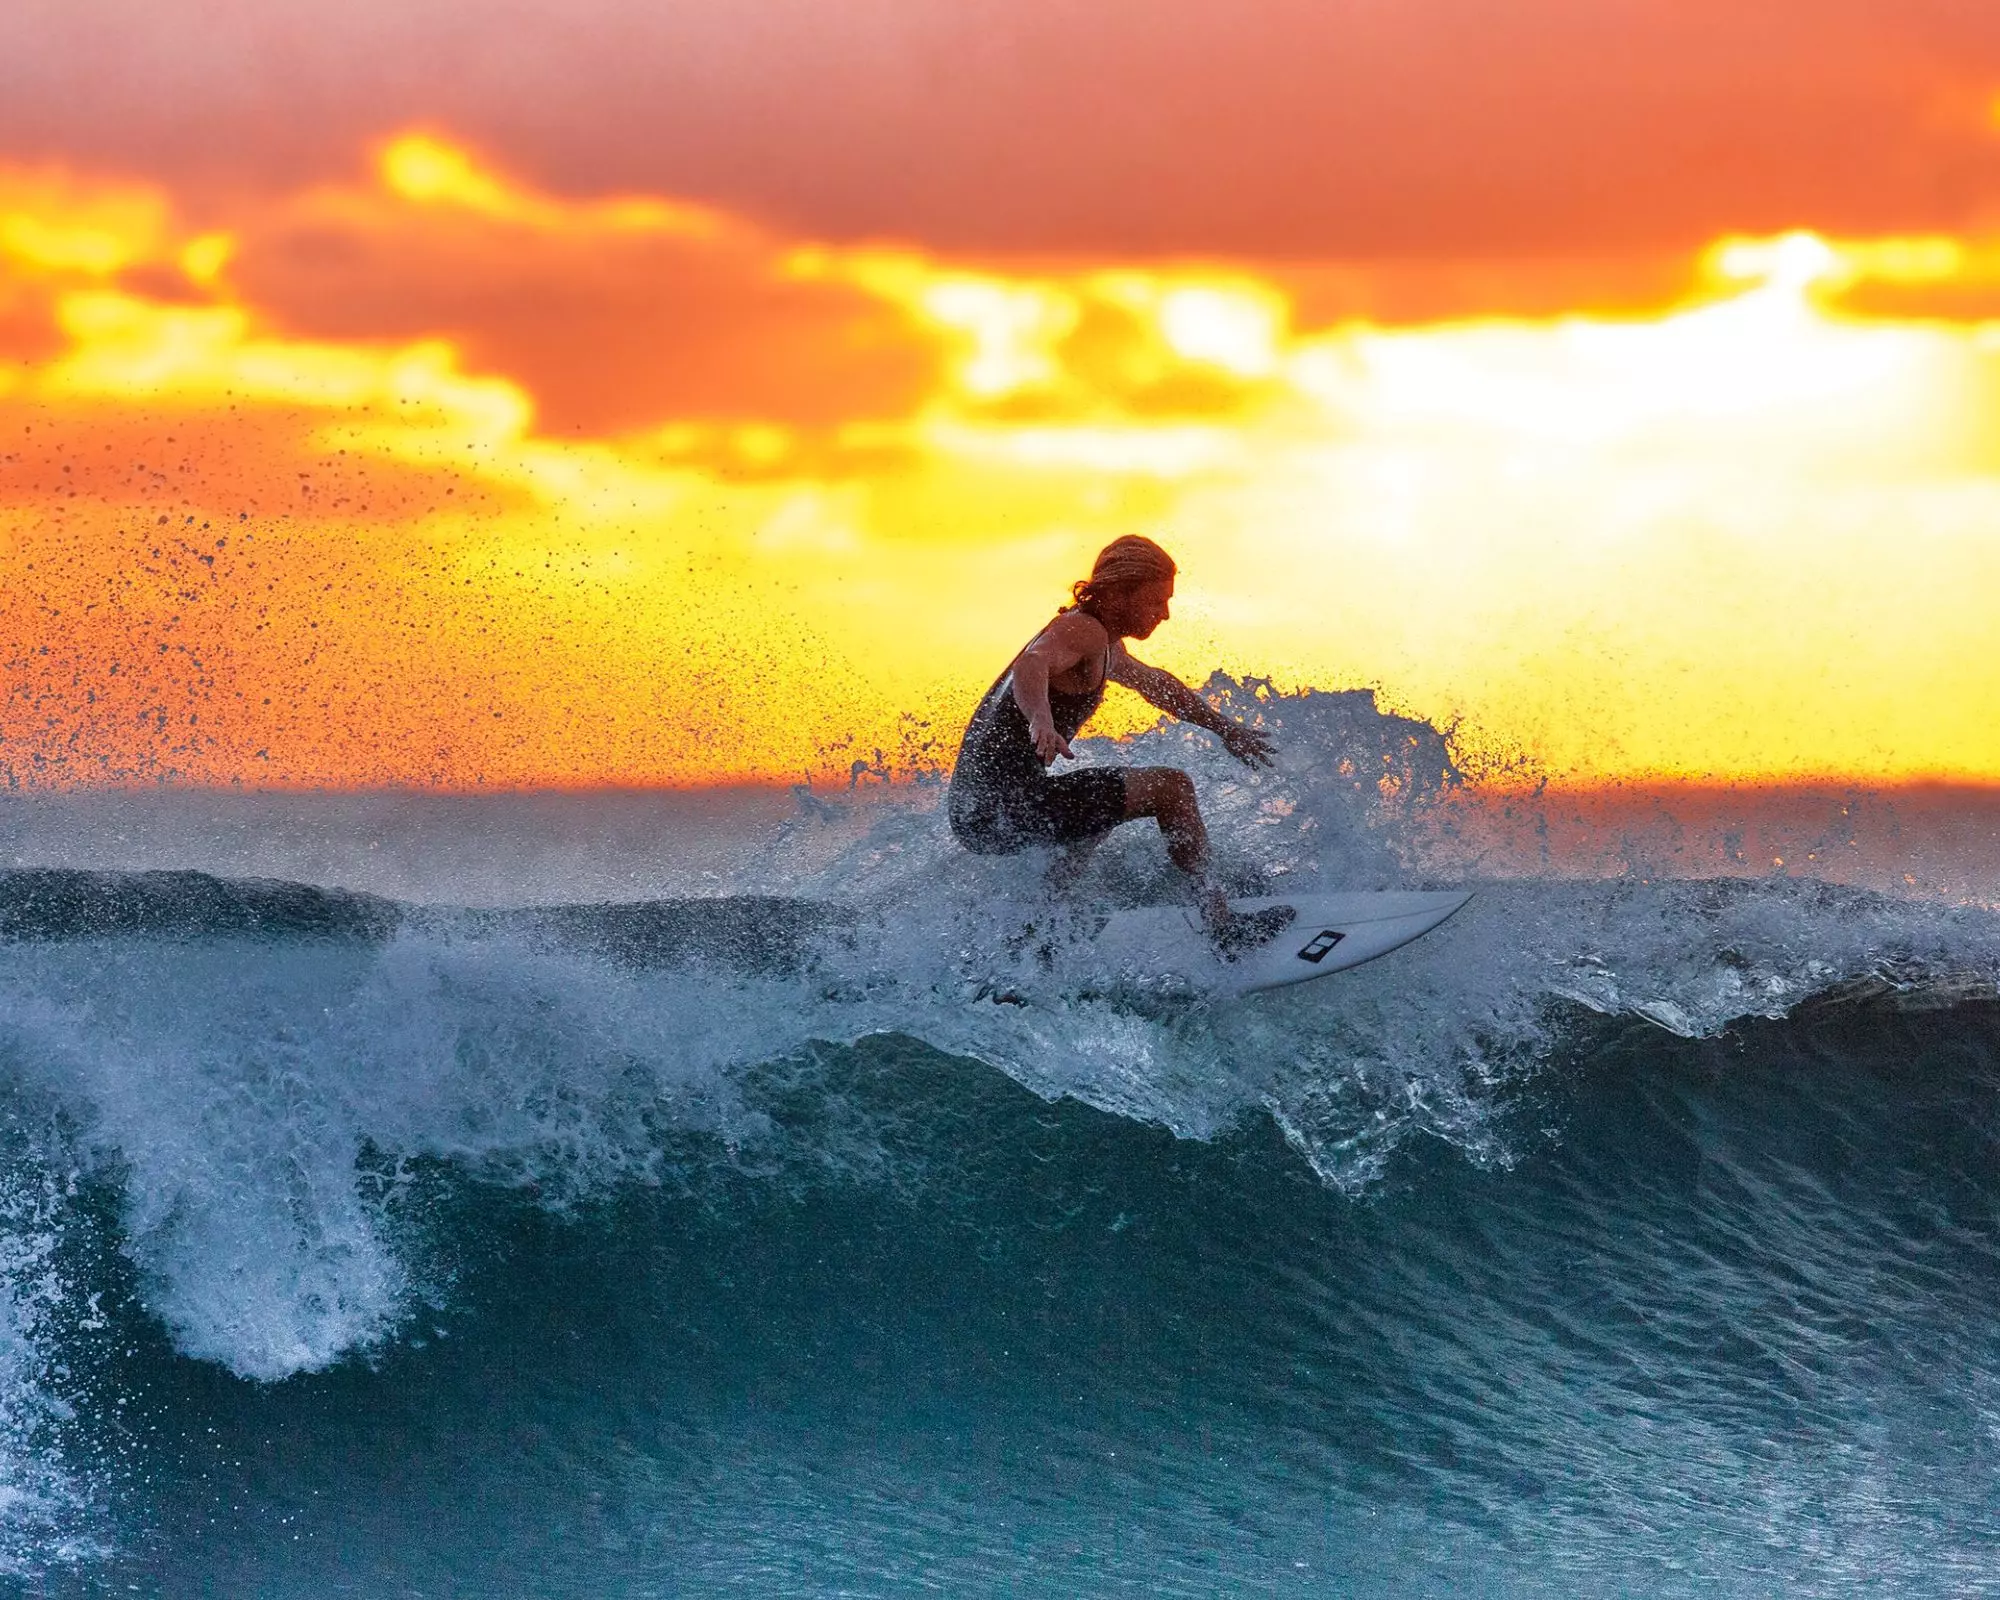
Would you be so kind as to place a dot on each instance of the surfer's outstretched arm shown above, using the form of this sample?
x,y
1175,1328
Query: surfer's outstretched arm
x,y
1158,687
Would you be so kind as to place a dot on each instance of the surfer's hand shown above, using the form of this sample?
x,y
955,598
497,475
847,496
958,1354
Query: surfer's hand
x,y
1247,745
1048,743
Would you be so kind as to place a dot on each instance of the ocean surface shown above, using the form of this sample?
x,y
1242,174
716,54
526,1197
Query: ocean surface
x,y
624,1194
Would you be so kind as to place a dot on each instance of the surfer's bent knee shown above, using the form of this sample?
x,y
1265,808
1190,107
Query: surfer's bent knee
x,y
1151,791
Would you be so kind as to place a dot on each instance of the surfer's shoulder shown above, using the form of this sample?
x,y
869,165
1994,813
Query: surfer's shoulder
x,y
1078,631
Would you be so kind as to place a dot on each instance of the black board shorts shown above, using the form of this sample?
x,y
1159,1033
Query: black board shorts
x,y
1059,810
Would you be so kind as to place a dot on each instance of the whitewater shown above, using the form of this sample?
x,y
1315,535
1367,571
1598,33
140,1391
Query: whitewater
x,y
627,1194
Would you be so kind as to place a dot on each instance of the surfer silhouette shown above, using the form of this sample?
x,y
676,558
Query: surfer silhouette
x,y
1003,799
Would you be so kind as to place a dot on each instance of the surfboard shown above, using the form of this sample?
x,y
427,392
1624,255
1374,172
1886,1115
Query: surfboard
x,y
1329,933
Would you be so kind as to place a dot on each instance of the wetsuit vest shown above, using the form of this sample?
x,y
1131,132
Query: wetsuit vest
x,y
996,758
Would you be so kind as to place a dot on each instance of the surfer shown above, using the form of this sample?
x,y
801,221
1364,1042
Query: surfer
x,y
1003,799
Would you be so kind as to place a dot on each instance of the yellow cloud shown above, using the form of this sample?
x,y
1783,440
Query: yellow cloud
x,y
204,257
52,225
127,346
431,171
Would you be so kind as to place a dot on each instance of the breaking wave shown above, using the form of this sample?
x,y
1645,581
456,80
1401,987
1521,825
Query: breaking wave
x,y
247,1119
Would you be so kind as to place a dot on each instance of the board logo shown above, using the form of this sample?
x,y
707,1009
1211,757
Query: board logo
x,y
1322,942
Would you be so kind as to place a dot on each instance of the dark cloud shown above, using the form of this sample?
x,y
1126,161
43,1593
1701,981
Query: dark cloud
x,y
28,329
1973,301
1305,128
609,329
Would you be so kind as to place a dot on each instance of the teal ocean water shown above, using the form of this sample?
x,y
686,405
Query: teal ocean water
x,y
628,1195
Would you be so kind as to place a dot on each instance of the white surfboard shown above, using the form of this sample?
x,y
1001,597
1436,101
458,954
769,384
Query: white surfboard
x,y
1328,934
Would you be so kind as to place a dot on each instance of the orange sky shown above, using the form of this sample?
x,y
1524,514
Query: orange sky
x,y
453,396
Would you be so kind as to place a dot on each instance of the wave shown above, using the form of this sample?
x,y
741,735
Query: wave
x,y
244,1093
1741,1287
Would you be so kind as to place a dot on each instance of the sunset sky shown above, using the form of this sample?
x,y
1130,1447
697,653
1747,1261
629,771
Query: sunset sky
x,y
619,392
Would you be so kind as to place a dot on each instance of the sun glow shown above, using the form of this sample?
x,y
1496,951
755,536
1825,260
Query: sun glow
x,y
434,477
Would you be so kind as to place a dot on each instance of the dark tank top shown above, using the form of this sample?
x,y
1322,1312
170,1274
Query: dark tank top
x,y
997,755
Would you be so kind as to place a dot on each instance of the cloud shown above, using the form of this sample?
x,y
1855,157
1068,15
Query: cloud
x,y
443,283
614,315
57,231
1438,130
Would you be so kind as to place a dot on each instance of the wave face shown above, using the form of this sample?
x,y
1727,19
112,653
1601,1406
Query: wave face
x,y
810,1217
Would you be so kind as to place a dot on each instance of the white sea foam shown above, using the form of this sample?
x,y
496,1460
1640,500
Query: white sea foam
x,y
46,1511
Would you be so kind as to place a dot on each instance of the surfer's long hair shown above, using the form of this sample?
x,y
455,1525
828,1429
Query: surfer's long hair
x,y
1122,564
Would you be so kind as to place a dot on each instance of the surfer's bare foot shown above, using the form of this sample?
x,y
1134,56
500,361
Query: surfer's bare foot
x,y
1240,932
